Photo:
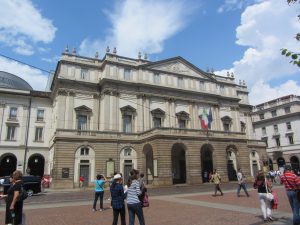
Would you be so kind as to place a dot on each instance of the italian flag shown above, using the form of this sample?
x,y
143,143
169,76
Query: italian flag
x,y
206,118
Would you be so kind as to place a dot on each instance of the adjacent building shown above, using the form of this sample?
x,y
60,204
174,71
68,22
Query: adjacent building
x,y
277,123
168,118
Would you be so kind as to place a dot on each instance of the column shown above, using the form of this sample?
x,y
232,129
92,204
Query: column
x,y
96,113
61,98
140,114
70,111
167,115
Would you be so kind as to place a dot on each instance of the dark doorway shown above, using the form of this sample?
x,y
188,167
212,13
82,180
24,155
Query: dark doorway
x,y
8,164
295,164
206,162
280,162
127,168
231,171
36,165
178,164
85,172
271,164
254,167
149,173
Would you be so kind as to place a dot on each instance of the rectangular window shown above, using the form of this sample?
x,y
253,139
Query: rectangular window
x,y
287,109
127,123
40,115
39,134
288,126
291,139
82,122
274,113
226,127
262,116
275,128
11,133
243,127
182,123
156,78
221,89
180,82
265,140
84,151
263,131
277,141
156,122
127,74
201,85
83,74
13,113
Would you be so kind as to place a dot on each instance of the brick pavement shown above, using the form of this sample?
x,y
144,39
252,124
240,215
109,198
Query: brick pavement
x,y
185,209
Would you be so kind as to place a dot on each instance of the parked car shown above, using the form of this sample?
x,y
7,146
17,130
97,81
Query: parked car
x,y
32,184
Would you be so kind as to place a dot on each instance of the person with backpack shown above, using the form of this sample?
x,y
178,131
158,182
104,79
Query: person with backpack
x,y
99,191
14,199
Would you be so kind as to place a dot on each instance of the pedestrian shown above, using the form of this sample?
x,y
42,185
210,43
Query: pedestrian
x,y
133,202
99,191
117,199
216,179
241,183
14,204
81,181
292,185
263,186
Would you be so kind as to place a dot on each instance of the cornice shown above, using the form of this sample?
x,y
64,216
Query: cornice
x,y
276,118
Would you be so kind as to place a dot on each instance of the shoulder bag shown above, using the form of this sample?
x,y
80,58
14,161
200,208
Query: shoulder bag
x,y
270,197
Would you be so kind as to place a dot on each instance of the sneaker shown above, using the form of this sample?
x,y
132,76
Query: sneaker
x,y
94,210
101,210
270,218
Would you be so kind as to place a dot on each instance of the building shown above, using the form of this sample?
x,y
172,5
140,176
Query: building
x,y
277,123
167,118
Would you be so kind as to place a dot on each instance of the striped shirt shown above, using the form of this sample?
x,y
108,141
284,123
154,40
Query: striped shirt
x,y
290,181
133,192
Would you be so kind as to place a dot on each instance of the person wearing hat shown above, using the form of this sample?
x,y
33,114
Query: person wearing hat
x,y
292,185
117,199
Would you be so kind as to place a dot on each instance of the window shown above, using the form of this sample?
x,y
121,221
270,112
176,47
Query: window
x,y
84,151
156,122
127,152
226,127
39,134
182,123
274,113
180,82
11,133
277,141
83,74
291,139
287,109
201,85
156,78
262,116
243,127
127,123
265,140
13,113
221,88
288,125
40,115
275,128
82,122
127,74
263,131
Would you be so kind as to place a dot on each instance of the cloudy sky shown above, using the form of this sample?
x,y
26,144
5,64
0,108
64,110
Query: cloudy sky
x,y
242,36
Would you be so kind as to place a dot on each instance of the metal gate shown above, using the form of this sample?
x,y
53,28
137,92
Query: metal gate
x,y
85,172
127,168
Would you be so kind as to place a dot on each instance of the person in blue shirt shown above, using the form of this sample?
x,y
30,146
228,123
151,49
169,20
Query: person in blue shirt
x,y
99,191
117,199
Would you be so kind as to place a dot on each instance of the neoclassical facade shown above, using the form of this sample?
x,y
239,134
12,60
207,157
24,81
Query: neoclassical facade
x,y
168,118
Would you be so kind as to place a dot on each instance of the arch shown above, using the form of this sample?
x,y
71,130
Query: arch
x,y
128,161
280,162
84,164
254,163
178,163
231,152
206,161
36,165
149,172
8,164
295,163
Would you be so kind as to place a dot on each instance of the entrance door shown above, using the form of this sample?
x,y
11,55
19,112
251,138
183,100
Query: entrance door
x,y
254,167
178,164
8,164
36,165
127,168
231,171
206,163
85,172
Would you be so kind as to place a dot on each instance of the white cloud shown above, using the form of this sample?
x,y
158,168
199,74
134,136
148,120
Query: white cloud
x,y
141,25
22,25
34,77
262,92
265,28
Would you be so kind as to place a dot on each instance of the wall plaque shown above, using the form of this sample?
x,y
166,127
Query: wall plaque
x,y
65,172
110,168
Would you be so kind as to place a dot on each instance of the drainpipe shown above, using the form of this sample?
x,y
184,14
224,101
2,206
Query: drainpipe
x,y
27,136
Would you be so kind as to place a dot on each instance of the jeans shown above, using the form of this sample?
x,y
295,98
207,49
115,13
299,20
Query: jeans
x,y
98,194
138,210
116,215
242,185
295,205
265,205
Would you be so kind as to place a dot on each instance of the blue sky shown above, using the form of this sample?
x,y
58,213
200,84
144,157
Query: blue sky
x,y
241,36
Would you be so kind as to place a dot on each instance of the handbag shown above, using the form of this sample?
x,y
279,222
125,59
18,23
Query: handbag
x,y
146,200
270,197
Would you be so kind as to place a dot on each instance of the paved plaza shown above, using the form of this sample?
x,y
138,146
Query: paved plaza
x,y
186,205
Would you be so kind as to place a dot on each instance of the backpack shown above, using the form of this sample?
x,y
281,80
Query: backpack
x,y
22,195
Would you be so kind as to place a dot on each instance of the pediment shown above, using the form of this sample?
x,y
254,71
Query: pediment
x,y
178,65
83,108
158,112
183,115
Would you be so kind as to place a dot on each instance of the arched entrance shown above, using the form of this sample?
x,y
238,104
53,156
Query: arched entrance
x,y
206,162
128,161
178,164
8,164
231,164
271,164
295,164
280,162
36,165
149,173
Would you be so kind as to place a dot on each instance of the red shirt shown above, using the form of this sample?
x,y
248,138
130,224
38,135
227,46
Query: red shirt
x,y
81,179
290,181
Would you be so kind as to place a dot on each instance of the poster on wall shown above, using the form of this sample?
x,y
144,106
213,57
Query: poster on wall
x,y
65,172
110,168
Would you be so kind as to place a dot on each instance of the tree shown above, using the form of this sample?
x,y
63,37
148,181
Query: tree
x,y
294,56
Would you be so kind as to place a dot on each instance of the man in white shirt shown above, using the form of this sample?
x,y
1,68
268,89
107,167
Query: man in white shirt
x,y
241,183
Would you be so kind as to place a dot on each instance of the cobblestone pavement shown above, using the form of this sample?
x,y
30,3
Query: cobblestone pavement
x,y
183,205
